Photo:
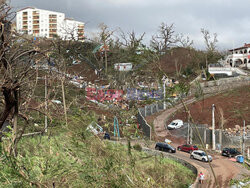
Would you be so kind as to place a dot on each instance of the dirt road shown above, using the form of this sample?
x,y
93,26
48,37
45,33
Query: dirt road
x,y
160,120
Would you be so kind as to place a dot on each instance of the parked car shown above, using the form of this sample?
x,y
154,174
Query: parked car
x,y
230,152
187,147
175,124
201,155
165,147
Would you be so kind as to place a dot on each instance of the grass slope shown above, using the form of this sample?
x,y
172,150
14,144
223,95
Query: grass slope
x,y
72,157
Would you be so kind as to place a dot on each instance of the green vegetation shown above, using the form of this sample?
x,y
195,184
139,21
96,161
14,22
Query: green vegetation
x,y
74,157
237,182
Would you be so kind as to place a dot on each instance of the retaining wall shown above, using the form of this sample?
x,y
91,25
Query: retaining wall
x,y
220,85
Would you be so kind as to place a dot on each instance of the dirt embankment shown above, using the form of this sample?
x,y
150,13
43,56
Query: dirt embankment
x,y
233,105
176,59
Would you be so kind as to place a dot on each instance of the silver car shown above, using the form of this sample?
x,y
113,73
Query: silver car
x,y
201,155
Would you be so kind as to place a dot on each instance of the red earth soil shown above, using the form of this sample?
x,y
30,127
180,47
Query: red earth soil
x,y
233,104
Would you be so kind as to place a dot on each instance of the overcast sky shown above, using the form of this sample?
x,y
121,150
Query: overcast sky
x,y
230,19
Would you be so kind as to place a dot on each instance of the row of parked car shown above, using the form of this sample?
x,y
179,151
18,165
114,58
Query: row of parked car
x,y
195,153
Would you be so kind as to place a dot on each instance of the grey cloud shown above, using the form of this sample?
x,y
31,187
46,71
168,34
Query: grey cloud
x,y
228,18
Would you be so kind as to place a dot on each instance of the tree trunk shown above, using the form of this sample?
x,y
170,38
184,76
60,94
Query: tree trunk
x,y
9,104
105,58
64,102
14,143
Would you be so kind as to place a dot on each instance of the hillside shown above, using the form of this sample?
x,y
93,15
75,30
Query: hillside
x,y
234,105
181,59
73,157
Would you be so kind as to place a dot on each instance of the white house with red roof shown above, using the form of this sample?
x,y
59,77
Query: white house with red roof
x,y
239,57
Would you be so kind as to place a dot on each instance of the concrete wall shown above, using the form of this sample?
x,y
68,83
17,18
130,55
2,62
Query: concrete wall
x,y
220,85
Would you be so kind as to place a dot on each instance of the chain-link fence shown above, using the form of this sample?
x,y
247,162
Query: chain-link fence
x,y
151,109
222,139
146,128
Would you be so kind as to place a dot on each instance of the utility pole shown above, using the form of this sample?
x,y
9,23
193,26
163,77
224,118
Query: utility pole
x,y
106,59
46,105
191,136
164,79
164,95
243,139
188,136
213,128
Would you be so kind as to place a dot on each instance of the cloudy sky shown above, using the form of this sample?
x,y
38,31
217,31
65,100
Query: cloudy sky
x,y
230,19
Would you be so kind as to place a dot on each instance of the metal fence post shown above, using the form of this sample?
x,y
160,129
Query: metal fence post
x,y
205,136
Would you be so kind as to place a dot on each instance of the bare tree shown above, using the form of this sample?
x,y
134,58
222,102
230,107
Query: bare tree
x,y
185,42
17,54
164,38
130,40
105,36
210,41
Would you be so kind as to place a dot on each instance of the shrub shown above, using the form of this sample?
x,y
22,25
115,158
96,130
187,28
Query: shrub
x,y
137,147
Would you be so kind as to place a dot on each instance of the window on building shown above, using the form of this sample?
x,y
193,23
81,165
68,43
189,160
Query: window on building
x,y
245,51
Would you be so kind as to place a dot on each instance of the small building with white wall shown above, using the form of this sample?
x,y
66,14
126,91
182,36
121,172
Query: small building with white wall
x,y
123,66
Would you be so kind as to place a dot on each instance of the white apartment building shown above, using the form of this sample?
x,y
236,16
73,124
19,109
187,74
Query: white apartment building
x,y
44,23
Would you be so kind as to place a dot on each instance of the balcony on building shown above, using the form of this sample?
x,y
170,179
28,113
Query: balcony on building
x,y
35,31
36,27
25,27
35,22
35,17
25,22
52,31
52,16
53,25
51,21
35,13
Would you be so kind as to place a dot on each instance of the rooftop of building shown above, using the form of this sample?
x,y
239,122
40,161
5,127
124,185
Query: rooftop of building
x,y
243,47
26,8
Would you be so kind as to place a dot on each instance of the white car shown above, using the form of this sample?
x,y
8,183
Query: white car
x,y
175,124
201,155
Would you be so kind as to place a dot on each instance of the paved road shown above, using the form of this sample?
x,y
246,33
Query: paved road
x,y
160,120
224,168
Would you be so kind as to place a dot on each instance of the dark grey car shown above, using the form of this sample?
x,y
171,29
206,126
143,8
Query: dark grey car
x,y
164,147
